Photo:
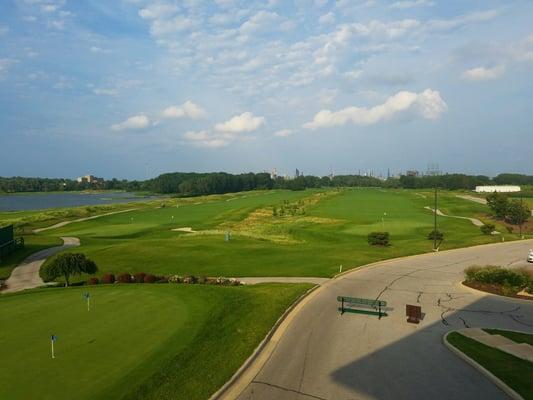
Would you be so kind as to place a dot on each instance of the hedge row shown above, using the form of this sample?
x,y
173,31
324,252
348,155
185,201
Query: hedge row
x,y
519,278
141,277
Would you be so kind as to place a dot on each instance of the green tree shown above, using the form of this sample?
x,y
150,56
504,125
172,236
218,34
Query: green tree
x,y
517,213
498,203
67,265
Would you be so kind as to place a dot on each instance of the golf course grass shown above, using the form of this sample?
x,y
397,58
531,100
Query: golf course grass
x,y
515,372
159,341
331,231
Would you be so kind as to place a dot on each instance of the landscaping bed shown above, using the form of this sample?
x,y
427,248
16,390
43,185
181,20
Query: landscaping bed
x,y
501,281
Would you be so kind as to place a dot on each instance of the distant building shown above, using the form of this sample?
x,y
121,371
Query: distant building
x,y
274,174
90,179
297,173
412,173
499,189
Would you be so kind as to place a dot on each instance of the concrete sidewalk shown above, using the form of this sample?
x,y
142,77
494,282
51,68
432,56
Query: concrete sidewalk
x,y
520,350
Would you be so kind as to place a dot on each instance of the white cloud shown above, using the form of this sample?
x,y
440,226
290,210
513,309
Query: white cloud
x,y
246,122
428,104
461,20
483,73
328,18
105,92
205,139
136,122
186,110
179,23
283,132
5,63
158,10
99,50
411,4
265,21
353,75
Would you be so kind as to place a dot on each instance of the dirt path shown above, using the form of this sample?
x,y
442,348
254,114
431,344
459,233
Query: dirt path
x,y
60,224
26,275
475,221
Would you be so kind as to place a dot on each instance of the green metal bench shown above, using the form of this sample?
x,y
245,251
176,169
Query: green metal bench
x,y
357,305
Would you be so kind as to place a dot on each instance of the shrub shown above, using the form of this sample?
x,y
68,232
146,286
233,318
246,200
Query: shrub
x,y
93,281
190,279
487,229
108,278
510,278
175,279
161,279
202,279
149,278
379,238
436,235
139,277
124,278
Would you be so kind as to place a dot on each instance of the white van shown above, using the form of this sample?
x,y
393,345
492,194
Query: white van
x,y
530,256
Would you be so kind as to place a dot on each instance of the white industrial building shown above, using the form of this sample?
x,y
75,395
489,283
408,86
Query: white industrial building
x,y
499,189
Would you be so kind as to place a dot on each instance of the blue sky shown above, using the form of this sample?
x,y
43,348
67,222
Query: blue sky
x,y
134,88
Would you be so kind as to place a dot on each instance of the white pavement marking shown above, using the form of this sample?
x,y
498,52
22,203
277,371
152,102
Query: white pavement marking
x,y
321,354
61,224
26,275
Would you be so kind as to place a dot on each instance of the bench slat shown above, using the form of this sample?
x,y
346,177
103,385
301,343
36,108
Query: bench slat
x,y
357,300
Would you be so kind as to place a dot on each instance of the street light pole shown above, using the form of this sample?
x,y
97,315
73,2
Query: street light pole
x,y
435,222
521,213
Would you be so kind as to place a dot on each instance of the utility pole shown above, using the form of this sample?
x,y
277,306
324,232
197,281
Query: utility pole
x,y
521,213
435,222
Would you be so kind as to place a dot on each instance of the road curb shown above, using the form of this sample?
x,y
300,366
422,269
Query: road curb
x,y
497,381
481,292
224,391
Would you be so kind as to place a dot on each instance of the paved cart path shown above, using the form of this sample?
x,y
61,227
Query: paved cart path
x,y
26,275
61,224
318,354
474,221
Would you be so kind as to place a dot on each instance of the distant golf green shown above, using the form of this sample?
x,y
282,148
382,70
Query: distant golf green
x,y
159,341
331,232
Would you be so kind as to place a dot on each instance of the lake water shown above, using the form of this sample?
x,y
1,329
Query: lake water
x,y
20,202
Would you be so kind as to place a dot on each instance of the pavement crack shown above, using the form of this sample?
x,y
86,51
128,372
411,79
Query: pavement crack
x,y
311,396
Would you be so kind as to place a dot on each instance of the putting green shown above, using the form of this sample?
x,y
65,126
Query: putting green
x,y
138,341
332,232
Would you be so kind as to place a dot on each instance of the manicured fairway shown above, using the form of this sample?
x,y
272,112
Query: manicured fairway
x,y
160,341
332,232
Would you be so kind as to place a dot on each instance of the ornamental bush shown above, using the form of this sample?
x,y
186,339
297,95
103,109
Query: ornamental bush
x,y
93,281
379,239
487,229
436,235
149,278
108,278
124,278
139,277
516,278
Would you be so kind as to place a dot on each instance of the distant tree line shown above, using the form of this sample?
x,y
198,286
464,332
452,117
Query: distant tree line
x,y
195,184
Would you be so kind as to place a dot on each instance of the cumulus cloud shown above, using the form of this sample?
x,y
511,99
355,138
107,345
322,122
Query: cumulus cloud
x,y
158,10
186,110
246,122
133,123
427,104
265,21
283,132
327,18
483,73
